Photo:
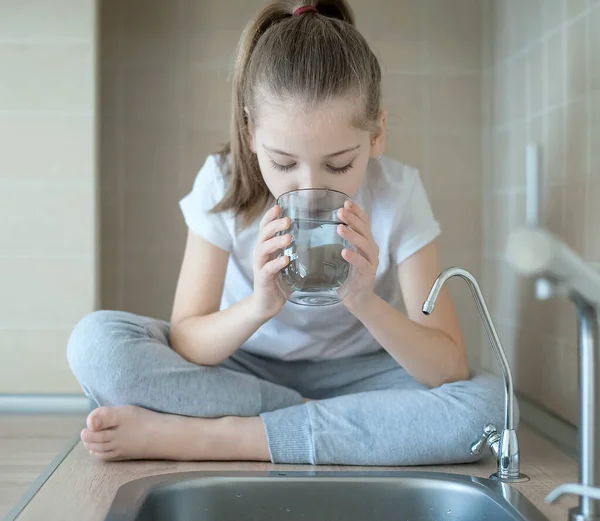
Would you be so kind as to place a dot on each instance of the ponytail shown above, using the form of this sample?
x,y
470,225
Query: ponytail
x,y
313,57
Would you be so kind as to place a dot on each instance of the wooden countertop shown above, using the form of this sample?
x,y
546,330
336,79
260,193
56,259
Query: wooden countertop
x,y
82,488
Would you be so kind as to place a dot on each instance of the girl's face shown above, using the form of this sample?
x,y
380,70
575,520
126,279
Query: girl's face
x,y
313,149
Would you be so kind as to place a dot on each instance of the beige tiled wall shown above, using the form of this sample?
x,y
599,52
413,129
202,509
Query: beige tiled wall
x,y
47,188
541,85
165,105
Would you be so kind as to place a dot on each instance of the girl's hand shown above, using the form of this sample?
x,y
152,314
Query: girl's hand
x,y
268,297
364,261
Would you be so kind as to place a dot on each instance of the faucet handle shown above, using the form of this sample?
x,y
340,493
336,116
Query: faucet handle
x,y
490,435
573,488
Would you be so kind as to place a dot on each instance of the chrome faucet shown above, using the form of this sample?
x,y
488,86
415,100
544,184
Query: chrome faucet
x,y
504,446
559,271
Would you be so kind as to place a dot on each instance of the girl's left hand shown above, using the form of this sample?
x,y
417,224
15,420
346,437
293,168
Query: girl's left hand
x,y
364,261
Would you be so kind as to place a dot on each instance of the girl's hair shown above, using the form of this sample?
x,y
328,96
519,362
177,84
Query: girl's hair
x,y
308,59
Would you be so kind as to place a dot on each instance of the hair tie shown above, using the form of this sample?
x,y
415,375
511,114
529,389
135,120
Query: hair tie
x,y
305,9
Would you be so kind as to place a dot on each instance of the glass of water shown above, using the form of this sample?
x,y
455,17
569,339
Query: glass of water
x,y
317,272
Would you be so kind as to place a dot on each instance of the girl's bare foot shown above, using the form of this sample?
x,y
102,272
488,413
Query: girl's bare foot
x,y
129,432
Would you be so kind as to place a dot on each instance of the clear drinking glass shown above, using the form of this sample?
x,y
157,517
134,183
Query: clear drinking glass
x,y
317,272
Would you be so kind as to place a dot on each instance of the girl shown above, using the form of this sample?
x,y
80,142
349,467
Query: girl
x,y
241,374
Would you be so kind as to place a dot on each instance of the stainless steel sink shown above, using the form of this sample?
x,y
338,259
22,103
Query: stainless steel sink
x,y
319,496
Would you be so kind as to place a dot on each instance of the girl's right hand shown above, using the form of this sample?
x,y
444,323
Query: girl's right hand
x,y
268,296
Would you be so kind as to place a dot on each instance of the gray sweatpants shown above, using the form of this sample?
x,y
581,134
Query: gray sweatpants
x,y
368,409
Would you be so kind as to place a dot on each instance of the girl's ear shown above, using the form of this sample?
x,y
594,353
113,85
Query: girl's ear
x,y
250,131
378,138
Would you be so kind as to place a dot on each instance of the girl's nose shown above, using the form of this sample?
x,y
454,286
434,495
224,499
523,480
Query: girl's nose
x,y
311,179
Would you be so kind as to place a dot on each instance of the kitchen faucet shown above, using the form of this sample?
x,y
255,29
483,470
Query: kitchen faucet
x,y
504,446
559,271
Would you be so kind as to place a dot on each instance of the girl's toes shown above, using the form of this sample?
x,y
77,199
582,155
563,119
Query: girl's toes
x,y
96,437
98,447
105,456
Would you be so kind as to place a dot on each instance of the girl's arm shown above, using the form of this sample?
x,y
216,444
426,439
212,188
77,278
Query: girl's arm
x,y
431,347
201,333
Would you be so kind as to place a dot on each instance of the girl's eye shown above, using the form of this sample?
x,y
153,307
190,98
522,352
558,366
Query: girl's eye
x,y
282,168
340,170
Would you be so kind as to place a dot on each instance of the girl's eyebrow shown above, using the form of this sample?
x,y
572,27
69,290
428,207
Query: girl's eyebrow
x,y
287,154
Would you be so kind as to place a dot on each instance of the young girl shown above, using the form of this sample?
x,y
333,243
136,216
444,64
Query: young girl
x,y
241,374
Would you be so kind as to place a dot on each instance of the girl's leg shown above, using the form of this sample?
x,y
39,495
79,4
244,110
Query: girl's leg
x,y
123,359
380,415
120,358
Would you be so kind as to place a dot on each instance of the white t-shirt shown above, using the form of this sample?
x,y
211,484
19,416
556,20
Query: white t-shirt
x,y
402,223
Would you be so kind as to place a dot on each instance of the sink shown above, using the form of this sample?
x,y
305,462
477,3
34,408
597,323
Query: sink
x,y
319,496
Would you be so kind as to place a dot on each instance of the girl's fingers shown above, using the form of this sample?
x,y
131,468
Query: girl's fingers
x,y
366,246
267,248
356,259
358,211
273,228
273,267
273,213
352,220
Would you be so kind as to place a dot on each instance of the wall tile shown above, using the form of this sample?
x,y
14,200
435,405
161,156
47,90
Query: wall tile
x,y
575,7
553,147
406,147
461,223
153,158
518,30
501,31
46,219
594,134
575,205
399,57
402,21
153,220
29,77
152,98
150,282
455,164
535,67
553,209
455,101
559,388
43,147
517,81
487,33
151,36
59,21
45,292
403,98
198,145
592,220
594,47
517,149
212,49
501,163
554,69
531,15
552,14
210,96
202,16
500,96
110,29
454,31
575,139
576,60
526,367
48,348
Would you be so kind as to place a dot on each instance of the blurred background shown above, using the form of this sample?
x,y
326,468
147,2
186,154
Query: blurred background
x,y
108,109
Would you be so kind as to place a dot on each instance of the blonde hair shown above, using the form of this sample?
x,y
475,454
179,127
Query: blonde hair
x,y
308,58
